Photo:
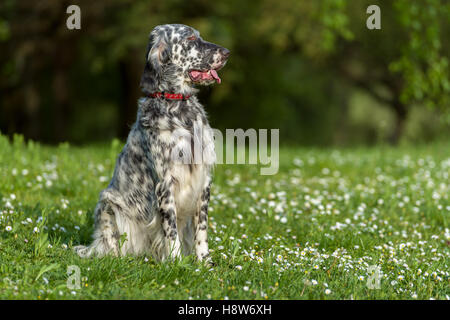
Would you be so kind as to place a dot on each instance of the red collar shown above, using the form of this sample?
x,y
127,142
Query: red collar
x,y
169,96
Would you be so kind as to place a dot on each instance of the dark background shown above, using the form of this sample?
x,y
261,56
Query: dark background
x,y
310,68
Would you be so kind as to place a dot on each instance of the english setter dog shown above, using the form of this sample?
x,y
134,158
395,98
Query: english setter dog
x,y
157,200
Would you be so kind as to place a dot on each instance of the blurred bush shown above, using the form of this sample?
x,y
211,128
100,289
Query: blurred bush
x,y
310,68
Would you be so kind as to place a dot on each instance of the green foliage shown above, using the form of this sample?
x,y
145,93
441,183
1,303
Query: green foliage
x,y
46,269
295,65
424,62
334,21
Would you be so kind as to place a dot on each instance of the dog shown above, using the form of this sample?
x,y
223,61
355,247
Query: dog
x,y
157,201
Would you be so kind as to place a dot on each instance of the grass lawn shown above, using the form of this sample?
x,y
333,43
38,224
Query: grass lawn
x,y
312,231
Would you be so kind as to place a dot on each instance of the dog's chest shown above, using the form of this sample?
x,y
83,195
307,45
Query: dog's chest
x,y
192,155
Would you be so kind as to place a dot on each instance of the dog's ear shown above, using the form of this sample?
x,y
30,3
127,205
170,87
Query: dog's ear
x,y
156,56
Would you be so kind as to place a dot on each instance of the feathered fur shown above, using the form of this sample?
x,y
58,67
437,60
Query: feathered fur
x,y
157,200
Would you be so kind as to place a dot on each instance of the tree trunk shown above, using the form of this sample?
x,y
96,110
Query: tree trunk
x,y
62,60
61,105
401,114
130,71
32,129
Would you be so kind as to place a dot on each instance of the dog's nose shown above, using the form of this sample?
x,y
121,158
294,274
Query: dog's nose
x,y
225,52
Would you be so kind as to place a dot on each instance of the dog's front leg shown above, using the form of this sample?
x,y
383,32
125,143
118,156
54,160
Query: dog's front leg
x,y
201,225
167,211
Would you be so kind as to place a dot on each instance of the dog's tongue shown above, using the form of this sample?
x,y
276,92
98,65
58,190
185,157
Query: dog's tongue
x,y
208,75
215,75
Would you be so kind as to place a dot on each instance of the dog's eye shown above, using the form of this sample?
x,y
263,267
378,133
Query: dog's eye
x,y
192,38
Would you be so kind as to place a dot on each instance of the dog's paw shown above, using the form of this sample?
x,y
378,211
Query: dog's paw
x,y
206,260
175,250
82,251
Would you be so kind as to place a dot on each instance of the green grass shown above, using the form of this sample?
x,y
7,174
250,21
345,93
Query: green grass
x,y
316,225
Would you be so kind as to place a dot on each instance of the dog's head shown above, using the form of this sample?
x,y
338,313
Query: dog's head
x,y
178,58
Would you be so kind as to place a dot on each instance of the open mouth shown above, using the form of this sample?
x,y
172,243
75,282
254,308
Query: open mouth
x,y
198,75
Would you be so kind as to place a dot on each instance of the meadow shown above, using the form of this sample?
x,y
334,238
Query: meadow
x,y
318,229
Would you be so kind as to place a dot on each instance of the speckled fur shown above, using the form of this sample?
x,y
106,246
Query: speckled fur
x,y
158,196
